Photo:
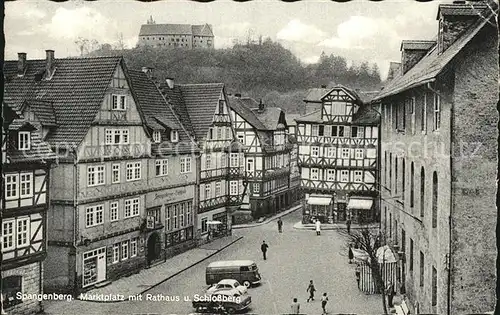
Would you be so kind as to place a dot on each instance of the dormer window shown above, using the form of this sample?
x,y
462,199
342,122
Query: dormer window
x,y
24,142
174,136
221,106
119,102
156,136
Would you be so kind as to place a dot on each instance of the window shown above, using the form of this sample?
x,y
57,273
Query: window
x,y
359,154
113,211
156,136
116,253
358,176
315,130
217,189
161,167
330,152
131,208
189,211
221,106
8,235
11,286
256,188
176,217
204,226
396,174
24,140
437,111
403,179
334,131
22,232
125,250
345,153
219,133
133,247
208,162
411,254
434,286
95,175
341,131
344,176
412,185
330,175
321,130
208,191
434,199
168,222
133,171
390,171
314,173
210,133
183,215
234,160
94,215
314,151
186,164
117,136
233,187
354,131
115,173
174,136
423,118
11,186
360,133
422,192
241,138
422,269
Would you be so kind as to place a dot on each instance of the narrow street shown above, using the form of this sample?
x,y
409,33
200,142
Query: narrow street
x,y
294,258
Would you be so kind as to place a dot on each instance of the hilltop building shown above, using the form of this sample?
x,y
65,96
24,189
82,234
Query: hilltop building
x,y
439,182
176,35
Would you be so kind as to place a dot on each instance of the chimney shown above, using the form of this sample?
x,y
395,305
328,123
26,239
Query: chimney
x,y
170,82
261,105
148,71
455,19
21,63
238,95
412,51
49,64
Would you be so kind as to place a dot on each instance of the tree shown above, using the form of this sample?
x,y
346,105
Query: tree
x,y
82,44
369,240
120,42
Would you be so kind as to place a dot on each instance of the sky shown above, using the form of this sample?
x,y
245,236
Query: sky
x,y
358,30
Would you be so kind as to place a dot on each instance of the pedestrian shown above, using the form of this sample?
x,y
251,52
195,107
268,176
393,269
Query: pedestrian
x,y
264,248
295,306
311,289
351,254
348,225
357,272
280,225
324,300
390,292
318,227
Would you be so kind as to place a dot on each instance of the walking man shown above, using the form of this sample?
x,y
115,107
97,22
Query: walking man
x,y
280,225
350,254
311,289
390,292
357,272
264,248
295,306
318,227
348,225
324,300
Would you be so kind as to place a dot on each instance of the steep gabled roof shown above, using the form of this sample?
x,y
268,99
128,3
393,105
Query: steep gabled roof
x,y
174,97
417,44
269,117
352,93
202,30
165,29
465,9
311,117
242,107
76,91
366,115
314,95
201,101
431,65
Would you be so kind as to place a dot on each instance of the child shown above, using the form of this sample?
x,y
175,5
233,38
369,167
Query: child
x,y
324,300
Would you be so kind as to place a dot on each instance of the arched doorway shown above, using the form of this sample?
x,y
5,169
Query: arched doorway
x,y
154,248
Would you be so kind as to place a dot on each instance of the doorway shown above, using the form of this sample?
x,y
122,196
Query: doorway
x,y
154,248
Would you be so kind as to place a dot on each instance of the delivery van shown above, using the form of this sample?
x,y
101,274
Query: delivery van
x,y
245,271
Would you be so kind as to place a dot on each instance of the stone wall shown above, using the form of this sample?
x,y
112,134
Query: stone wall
x,y
475,119
31,285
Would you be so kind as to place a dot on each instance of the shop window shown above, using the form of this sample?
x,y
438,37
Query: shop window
x,y
10,287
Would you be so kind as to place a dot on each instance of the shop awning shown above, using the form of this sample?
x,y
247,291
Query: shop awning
x,y
360,204
319,200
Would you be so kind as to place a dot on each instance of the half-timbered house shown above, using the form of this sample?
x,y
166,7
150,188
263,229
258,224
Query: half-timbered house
x,y
88,114
439,162
295,174
262,130
203,109
171,201
338,157
26,163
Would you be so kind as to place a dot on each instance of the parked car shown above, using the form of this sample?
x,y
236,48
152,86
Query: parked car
x,y
227,284
220,302
243,271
